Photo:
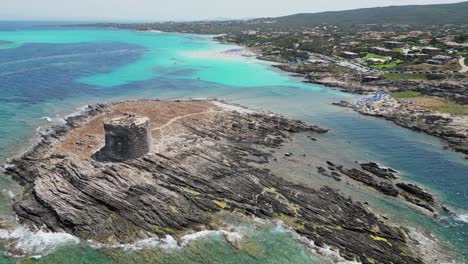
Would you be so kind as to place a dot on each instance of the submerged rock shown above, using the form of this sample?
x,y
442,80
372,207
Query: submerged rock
x,y
375,169
416,191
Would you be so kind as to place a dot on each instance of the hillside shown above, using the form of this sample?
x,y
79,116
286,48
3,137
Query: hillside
x,y
412,15
418,16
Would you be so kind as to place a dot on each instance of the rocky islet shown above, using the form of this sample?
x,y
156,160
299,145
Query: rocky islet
x,y
203,161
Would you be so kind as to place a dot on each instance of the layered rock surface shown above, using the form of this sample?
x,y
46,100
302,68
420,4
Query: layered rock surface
x,y
203,161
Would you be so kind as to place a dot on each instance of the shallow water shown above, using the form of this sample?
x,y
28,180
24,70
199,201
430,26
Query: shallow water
x,y
47,72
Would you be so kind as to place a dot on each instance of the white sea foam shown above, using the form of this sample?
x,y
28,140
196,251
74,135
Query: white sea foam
x,y
6,167
431,249
22,241
166,243
46,118
79,111
169,242
232,237
462,218
150,31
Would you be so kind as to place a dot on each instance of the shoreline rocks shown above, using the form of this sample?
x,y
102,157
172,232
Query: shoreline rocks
x,y
384,180
353,83
206,162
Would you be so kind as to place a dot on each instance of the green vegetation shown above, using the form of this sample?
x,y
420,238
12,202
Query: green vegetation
x,y
378,238
221,204
339,69
411,15
321,44
370,55
227,163
404,76
407,94
387,65
451,108
462,38
391,64
188,190
433,103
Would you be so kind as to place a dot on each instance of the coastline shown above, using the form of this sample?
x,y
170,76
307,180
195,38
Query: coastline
x,y
456,139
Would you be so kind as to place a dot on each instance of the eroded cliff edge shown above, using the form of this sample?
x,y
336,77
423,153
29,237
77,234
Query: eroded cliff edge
x,y
203,161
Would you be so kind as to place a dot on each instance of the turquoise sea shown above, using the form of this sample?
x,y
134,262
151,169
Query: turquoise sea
x,y
48,72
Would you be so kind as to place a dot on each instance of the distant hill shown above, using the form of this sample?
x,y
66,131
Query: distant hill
x,y
411,15
417,16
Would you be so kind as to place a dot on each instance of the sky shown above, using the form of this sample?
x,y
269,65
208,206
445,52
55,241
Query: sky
x,y
175,10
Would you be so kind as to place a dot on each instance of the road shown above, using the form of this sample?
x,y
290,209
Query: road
x,y
461,61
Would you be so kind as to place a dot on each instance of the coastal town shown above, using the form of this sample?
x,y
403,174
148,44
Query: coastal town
x,y
416,78
411,53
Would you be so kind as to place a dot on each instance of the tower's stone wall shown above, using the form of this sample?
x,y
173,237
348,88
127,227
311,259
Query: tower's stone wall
x,y
127,137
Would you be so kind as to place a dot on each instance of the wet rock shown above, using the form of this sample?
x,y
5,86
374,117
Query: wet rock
x,y
334,174
416,191
387,189
378,171
383,187
418,202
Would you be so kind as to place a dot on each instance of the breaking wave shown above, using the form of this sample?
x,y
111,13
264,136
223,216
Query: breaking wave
x,y
231,237
166,243
22,241
46,118
461,218
170,242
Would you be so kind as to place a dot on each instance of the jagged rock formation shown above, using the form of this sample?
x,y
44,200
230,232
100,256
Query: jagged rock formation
x,y
383,180
203,161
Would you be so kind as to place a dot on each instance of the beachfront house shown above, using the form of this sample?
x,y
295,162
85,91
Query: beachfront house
x,y
374,61
349,55
394,44
434,62
381,51
431,51
438,60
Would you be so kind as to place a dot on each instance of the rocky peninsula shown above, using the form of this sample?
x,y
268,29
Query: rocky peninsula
x,y
205,157
451,128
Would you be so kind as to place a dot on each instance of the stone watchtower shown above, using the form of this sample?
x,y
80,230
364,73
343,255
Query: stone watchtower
x,y
127,137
